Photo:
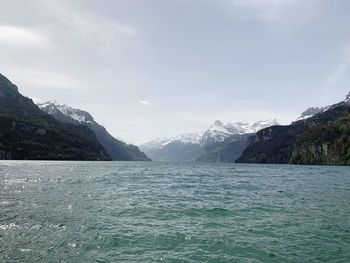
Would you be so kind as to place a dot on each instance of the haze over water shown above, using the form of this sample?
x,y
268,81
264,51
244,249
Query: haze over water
x,y
167,212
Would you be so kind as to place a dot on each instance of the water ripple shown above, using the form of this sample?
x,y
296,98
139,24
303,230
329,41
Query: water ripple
x,y
163,212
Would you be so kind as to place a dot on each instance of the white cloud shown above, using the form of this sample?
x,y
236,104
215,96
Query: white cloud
x,y
90,26
107,35
145,102
21,36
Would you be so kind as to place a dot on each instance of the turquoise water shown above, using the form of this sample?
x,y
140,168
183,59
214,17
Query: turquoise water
x,y
160,212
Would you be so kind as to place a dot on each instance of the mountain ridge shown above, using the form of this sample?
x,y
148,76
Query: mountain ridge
x,y
190,147
312,111
218,131
28,133
320,139
117,149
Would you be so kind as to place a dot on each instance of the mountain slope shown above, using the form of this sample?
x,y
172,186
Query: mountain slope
x,y
221,142
320,139
176,151
310,112
227,151
325,144
26,132
117,149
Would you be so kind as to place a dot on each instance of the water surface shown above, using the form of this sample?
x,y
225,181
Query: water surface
x,y
163,212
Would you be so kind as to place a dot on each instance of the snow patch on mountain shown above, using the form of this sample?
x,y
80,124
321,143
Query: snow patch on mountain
x,y
310,112
217,132
52,108
190,138
347,99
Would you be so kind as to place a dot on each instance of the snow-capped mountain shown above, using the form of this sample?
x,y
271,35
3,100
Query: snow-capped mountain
x,y
347,99
310,112
217,132
117,149
65,112
190,138
320,137
192,145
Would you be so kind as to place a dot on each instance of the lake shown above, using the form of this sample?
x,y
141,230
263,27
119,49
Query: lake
x,y
173,212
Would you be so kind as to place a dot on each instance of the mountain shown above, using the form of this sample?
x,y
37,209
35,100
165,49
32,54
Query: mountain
x,y
175,151
183,148
323,138
28,133
228,150
310,112
220,142
219,132
117,149
328,143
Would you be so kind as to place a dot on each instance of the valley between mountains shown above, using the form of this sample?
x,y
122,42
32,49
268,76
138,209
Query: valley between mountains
x,y
52,131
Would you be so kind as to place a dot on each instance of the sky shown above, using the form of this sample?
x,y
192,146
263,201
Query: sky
x,y
154,68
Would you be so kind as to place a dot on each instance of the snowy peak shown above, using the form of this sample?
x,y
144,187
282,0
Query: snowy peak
x,y
55,109
257,126
310,112
217,132
218,123
116,148
190,138
220,127
347,99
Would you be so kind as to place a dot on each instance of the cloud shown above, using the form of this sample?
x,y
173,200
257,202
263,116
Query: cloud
x,y
21,36
145,102
93,25
127,29
268,10
90,26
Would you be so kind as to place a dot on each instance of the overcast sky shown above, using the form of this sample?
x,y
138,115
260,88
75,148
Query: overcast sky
x,y
155,68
